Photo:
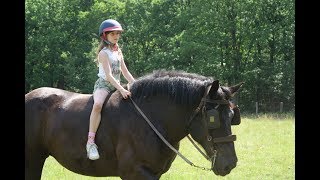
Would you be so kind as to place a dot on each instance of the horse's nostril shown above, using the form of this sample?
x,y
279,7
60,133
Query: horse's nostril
x,y
228,169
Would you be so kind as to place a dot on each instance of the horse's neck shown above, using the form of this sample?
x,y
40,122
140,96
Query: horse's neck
x,y
174,118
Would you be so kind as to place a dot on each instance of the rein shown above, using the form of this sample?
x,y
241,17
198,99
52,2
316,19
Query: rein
x,y
165,141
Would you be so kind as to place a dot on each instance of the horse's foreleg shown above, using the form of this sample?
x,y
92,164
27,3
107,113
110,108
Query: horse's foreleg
x,y
139,172
132,169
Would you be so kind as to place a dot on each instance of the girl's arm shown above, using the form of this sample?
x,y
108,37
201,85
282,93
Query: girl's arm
x,y
126,72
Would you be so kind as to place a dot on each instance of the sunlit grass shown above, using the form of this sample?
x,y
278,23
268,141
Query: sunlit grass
x,y
265,149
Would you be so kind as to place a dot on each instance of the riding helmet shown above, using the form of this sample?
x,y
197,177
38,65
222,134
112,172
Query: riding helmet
x,y
109,25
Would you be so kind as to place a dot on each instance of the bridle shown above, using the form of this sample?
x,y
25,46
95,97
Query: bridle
x,y
203,101
201,106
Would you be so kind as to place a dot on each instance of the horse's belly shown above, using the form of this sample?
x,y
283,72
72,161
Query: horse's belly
x,y
99,168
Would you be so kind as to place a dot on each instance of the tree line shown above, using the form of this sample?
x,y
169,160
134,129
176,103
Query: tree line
x,y
230,40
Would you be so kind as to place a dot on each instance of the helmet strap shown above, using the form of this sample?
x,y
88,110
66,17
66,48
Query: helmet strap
x,y
114,46
104,38
108,42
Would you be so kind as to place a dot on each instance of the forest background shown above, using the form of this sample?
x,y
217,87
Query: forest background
x,y
251,41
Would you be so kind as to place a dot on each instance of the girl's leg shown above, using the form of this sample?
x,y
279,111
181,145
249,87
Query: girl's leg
x,y
99,97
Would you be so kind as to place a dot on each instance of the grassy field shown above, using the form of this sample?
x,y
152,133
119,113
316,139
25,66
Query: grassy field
x,y
265,148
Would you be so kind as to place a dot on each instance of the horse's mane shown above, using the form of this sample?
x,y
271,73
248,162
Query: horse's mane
x,y
179,86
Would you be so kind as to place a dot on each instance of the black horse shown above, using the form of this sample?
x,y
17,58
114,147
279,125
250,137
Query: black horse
x,y
177,104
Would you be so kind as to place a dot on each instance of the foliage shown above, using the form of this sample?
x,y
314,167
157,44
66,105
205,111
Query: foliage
x,y
233,41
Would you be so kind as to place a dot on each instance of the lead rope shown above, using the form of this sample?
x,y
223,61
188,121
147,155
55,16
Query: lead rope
x,y
163,139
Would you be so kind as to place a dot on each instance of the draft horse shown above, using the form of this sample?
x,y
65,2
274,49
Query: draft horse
x,y
177,104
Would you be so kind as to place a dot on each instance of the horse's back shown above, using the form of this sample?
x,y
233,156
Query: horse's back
x,y
49,92
48,97
40,102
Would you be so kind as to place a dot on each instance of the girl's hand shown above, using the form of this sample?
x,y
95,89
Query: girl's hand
x,y
129,86
125,94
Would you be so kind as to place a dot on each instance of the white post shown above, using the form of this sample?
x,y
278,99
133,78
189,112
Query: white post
x,y
256,108
281,107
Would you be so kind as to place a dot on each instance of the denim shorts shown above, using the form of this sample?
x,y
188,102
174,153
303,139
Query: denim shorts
x,y
103,84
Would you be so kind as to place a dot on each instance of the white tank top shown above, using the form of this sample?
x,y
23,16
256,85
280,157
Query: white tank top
x,y
114,61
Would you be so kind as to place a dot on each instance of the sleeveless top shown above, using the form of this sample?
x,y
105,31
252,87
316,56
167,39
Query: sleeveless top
x,y
114,61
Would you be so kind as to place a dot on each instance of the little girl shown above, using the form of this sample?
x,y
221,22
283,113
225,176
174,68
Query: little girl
x,y
111,65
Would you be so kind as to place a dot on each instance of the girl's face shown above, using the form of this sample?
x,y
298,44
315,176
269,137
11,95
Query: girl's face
x,y
113,36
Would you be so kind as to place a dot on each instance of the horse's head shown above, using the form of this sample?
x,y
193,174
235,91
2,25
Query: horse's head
x,y
211,126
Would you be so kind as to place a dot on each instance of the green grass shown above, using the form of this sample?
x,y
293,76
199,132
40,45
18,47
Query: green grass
x,y
265,149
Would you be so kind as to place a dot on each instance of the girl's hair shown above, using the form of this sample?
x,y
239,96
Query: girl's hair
x,y
101,45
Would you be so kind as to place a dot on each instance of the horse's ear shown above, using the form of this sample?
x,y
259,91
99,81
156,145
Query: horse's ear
x,y
235,88
214,87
